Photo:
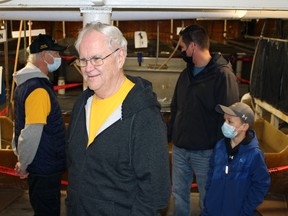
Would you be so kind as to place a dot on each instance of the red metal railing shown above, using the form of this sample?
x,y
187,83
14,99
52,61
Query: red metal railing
x,y
12,172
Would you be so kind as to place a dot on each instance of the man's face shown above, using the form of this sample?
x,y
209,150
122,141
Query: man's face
x,y
99,78
182,45
189,50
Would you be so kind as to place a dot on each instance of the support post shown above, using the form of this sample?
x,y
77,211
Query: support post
x,y
94,14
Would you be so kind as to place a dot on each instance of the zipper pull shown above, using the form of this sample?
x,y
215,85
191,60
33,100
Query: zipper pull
x,y
226,169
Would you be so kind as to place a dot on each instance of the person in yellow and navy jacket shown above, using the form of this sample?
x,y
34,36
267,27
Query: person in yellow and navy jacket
x,y
39,130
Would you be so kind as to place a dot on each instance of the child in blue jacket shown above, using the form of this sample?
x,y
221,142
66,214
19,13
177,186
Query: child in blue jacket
x,y
238,178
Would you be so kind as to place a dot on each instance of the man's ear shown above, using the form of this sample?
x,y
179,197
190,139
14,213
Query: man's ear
x,y
121,58
45,55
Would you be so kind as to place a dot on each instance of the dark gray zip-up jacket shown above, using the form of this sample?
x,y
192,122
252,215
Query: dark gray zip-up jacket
x,y
194,123
125,170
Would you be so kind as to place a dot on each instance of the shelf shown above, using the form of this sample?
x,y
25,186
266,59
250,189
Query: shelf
x,y
265,110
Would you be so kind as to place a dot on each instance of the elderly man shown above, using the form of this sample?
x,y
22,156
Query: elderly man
x,y
39,132
117,144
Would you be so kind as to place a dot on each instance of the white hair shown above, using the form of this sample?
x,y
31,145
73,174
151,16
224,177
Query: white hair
x,y
114,35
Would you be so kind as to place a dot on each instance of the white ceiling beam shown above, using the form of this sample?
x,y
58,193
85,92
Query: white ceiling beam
x,y
151,4
202,4
57,10
76,15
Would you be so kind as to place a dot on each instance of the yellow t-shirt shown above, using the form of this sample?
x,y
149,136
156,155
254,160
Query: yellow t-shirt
x,y
37,107
102,109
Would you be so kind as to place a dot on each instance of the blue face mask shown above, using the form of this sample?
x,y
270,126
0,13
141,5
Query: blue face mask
x,y
229,131
55,65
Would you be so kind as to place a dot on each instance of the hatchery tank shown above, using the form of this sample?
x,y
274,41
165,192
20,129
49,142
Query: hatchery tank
x,y
163,80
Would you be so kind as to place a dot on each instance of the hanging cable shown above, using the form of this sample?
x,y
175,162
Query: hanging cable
x,y
172,54
253,63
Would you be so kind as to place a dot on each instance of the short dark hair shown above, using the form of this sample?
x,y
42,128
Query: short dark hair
x,y
197,34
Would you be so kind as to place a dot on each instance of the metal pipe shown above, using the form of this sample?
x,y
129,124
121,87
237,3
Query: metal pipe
x,y
64,29
225,29
266,38
240,45
30,31
171,29
16,60
6,68
157,46
24,39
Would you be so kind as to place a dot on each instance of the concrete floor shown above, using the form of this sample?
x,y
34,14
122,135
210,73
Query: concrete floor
x,y
273,205
21,206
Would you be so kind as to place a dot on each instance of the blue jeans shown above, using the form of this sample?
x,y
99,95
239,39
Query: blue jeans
x,y
186,163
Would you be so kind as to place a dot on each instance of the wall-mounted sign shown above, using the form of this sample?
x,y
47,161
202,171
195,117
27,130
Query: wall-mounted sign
x,y
34,32
140,39
3,35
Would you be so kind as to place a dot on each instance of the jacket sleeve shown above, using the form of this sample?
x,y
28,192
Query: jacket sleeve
x,y
150,160
170,123
173,112
28,143
259,187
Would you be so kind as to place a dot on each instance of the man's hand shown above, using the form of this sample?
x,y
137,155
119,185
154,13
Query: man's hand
x,y
22,174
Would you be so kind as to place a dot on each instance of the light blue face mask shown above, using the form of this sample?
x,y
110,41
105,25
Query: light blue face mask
x,y
229,131
55,65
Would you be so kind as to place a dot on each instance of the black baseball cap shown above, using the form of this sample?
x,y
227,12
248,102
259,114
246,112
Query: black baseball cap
x,y
241,110
44,42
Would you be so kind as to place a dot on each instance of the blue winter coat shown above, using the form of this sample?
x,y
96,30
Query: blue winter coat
x,y
237,187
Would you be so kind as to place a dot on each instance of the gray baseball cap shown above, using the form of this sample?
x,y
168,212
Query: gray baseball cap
x,y
241,110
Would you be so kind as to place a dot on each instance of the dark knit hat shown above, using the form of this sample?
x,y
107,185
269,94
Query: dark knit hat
x,y
241,110
44,42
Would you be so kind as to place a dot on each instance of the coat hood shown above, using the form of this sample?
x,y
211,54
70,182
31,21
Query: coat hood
x,y
216,64
218,61
28,72
252,145
140,97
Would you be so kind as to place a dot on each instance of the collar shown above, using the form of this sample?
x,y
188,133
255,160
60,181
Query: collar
x,y
234,151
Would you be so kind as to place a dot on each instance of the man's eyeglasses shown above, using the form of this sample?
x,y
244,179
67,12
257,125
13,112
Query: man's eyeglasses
x,y
95,61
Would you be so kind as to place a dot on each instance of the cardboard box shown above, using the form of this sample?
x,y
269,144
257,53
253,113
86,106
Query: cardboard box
x,y
274,144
